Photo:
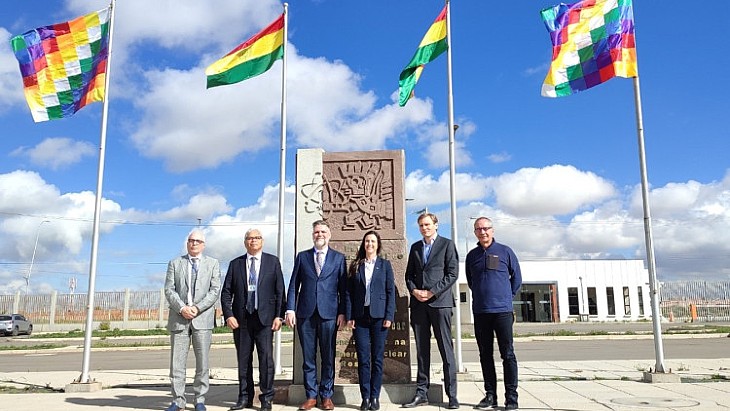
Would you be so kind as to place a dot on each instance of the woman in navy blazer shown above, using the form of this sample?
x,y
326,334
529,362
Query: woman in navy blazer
x,y
370,305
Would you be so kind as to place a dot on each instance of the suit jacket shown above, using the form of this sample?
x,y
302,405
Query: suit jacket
x,y
437,275
269,289
207,289
382,292
324,292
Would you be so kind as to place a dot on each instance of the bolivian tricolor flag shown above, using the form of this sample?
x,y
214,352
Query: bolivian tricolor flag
x,y
251,58
433,44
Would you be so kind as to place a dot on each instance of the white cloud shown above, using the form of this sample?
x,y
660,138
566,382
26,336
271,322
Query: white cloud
x,y
225,232
691,226
11,82
26,200
325,104
499,157
203,206
189,127
553,190
182,24
427,191
57,153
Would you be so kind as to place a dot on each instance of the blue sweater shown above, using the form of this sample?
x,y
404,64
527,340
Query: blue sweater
x,y
494,277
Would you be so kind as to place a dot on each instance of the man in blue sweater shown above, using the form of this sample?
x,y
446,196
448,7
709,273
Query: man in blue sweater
x,y
493,275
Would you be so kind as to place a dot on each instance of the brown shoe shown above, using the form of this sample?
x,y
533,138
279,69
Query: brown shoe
x,y
327,404
308,404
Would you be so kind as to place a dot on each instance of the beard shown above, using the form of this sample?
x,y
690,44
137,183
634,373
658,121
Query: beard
x,y
320,242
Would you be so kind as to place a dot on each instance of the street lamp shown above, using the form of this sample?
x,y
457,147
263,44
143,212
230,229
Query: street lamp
x,y
32,259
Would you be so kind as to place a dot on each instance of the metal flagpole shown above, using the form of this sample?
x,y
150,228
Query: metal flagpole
x,y
84,378
653,283
282,181
452,183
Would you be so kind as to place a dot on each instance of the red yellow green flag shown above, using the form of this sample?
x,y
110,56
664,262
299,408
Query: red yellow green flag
x,y
433,44
251,58
64,65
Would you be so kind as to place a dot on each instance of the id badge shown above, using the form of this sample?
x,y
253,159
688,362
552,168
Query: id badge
x,y
252,288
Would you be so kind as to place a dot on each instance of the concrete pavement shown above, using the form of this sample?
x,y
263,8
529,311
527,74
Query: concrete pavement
x,y
544,385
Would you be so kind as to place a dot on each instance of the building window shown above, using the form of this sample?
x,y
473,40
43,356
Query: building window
x,y
627,301
641,301
610,301
573,301
592,303
462,297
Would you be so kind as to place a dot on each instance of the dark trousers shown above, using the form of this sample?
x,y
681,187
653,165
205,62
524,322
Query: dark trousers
x,y
423,318
485,328
370,343
313,331
252,333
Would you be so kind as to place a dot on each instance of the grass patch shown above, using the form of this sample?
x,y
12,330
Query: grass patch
x,y
30,389
31,347
107,344
118,333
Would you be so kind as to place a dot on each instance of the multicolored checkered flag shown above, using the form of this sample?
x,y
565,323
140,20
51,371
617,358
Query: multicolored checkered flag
x,y
64,65
593,41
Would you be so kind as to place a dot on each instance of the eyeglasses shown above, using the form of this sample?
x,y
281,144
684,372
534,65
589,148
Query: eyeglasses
x,y
256,237
195,241
479,229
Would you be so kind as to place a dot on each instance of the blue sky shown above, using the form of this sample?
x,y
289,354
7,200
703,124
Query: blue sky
x,y
560,177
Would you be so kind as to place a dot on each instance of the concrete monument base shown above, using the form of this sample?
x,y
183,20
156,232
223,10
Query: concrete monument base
x,y
91,386
350,394
661,377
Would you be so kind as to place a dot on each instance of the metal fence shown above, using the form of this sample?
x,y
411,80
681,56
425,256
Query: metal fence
x,y
119,309
695,300
679,301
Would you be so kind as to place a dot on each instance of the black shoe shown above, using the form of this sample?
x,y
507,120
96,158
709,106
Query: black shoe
x,y
511,406
364,405
489,402
266,405
241,405
416,401
374,404
453,404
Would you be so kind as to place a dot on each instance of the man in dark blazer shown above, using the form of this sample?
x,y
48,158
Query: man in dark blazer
x,y
433,268
192,286
253,307
316,306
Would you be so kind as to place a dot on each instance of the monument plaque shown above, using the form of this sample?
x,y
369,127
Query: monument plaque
x,y
355,192
364,191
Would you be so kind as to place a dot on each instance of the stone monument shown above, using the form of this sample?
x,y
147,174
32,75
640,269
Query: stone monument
x,y
356,192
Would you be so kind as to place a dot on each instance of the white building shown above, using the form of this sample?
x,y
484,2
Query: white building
x,y
575,290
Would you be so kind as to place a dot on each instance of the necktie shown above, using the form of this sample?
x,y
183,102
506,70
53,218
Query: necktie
x,y
320,261
252,278
193,275
426,252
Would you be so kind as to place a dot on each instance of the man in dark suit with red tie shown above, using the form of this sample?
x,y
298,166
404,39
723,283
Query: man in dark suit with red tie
x,y
316,306
253,305
433,268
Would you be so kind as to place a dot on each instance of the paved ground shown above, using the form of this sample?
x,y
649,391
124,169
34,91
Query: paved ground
x,y
544,385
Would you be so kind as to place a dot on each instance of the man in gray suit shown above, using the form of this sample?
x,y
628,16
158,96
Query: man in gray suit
x,y
192,285
433,268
